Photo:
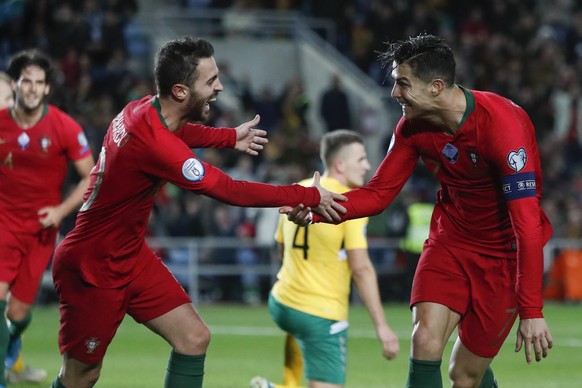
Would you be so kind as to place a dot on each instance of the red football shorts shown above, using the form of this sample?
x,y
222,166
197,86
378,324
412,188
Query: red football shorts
x,y
90,316
24,259
481,288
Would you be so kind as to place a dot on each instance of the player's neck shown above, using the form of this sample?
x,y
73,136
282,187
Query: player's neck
x,y
171,114
27,119
451,110
335,175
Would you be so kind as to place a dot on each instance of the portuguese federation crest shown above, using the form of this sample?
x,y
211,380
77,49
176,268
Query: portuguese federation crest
x,y
91,343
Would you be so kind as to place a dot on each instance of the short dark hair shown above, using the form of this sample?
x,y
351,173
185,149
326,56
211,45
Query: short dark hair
x,y
428,56
177,62
332,142
31,57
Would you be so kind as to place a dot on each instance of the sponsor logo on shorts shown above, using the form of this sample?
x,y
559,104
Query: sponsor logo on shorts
x,y
338,327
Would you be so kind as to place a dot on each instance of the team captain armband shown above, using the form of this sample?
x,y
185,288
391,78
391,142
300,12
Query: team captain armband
x,y
521,185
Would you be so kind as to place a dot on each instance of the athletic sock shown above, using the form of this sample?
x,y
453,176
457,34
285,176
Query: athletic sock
x,y
185,371
293,368
488,380
424,374
4,339
18,365
57,383
16,328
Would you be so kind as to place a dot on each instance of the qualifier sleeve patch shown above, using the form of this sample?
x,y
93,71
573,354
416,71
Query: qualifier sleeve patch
x,y
193,170
518,186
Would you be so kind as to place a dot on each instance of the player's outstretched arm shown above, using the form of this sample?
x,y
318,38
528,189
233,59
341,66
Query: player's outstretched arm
x,y
534,333
249,139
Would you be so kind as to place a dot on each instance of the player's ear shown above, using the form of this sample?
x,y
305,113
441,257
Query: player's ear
x,y
180,92
437,86
339,165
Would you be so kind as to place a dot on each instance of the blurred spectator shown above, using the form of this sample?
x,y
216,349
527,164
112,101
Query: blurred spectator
x,y
267,106
334,106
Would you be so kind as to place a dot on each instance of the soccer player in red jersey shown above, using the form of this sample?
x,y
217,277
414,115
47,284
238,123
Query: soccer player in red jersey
x,y
104,269
37,141
482,264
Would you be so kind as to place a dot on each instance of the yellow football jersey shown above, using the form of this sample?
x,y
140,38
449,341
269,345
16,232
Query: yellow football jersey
x,y
315,277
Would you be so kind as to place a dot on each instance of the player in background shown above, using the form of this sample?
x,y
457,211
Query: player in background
x,y
482,264
37,141
104,269
14,364
310,300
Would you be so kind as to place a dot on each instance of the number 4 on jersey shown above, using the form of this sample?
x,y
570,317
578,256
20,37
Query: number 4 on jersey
x,y
305,245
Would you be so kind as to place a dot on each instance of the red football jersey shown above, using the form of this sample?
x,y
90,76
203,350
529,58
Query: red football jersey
x,y
138,156
33,165
491,186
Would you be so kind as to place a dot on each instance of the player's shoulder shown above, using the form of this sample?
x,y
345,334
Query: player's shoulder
x,y
493,103
144,114
55,114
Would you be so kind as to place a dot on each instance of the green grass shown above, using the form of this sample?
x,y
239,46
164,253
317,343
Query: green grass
x,y
246,343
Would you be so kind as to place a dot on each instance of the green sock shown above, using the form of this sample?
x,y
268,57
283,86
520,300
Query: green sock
x,y
4,339
488,379
16,328
185,371
57,383
424,374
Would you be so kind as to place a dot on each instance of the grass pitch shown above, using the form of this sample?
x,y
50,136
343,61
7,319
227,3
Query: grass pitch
x,y
246,343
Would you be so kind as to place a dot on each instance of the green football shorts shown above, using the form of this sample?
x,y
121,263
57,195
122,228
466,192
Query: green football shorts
x,y
323,342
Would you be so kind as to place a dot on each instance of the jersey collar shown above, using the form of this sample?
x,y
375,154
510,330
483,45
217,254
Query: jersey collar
x,y
156,104
470,105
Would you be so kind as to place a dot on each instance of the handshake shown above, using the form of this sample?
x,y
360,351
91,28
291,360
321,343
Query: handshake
x,y
329,207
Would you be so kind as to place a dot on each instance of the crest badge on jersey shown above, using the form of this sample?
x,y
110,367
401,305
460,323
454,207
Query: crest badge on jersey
x,y
23,141
473,155
193,170
45,143
451,153
517,159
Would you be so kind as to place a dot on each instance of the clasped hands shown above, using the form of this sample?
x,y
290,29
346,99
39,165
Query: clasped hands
x,y
328,207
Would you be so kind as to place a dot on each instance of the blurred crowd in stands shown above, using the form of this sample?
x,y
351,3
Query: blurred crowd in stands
x,y
527,50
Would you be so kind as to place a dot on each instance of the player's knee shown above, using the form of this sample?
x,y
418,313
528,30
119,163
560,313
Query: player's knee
x,y
426,345
462,378
194,342
16,310
87,379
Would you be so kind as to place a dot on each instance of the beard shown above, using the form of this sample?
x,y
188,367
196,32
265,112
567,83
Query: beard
x,y
199,109
29,107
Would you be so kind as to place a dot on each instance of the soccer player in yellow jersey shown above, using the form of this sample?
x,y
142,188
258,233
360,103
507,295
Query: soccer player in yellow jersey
x,y
310,299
